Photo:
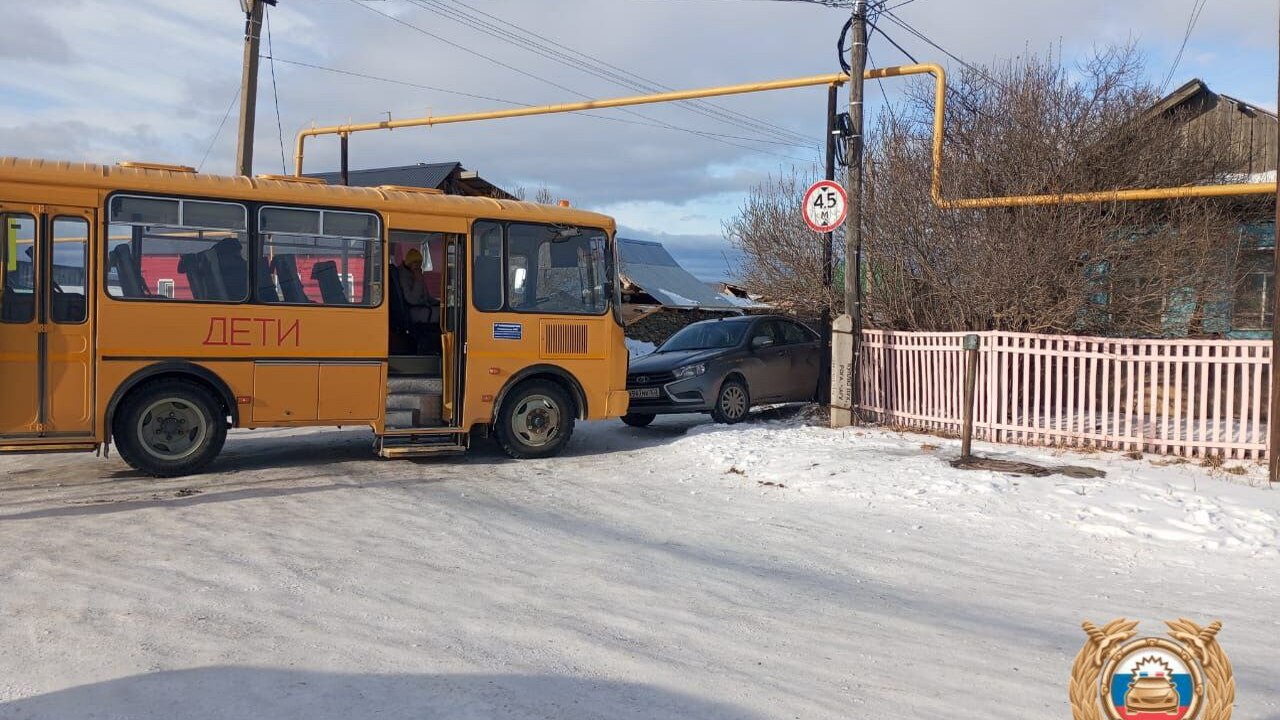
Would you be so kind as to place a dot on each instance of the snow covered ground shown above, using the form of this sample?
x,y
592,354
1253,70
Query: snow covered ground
x,y
682,570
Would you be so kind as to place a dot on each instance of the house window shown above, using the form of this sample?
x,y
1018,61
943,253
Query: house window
x,y
1256,275
1253,301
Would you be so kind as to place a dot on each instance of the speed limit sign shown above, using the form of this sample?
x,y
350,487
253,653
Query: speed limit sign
x,y
825,206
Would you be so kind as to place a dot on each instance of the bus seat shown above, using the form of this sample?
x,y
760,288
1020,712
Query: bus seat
x,y
398,309
266,287
286,270
196,268
228,270
488,293
325,273
131,282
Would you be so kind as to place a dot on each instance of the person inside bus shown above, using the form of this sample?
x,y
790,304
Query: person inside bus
x,y
423,308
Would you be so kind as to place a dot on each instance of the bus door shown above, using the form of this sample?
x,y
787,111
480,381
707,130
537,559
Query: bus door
x,y
46,333
451,330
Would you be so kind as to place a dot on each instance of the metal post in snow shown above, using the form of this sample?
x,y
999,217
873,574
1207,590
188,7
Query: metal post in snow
x,y
970,386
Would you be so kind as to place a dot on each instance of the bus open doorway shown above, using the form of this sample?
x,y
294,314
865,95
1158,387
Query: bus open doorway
x,y
424,365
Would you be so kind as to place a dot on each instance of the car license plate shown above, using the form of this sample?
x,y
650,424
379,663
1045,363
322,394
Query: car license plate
x,y
644,393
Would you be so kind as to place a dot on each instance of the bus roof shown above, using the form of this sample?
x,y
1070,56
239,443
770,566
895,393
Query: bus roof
x,y
158,179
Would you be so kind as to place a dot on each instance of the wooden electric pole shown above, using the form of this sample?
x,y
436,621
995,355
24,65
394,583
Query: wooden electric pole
x,y
828,242
253,10
1273,417
847,340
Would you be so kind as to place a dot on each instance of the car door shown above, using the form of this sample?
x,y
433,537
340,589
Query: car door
x,y
766,362
804,360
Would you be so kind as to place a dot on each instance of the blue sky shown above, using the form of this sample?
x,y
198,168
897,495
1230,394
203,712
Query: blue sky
x,y
108,80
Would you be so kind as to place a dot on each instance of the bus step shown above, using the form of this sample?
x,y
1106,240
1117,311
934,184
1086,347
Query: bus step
x,y
402,385
413,365
416,445
405,451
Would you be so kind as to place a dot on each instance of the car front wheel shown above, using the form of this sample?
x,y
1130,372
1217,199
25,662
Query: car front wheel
x,y
732,403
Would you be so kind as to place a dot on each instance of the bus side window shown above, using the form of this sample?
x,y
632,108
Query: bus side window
x,y
70,260
18,304
200,245
321,257
486,266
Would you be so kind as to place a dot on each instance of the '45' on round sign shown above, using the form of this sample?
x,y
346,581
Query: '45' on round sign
x,y
825,206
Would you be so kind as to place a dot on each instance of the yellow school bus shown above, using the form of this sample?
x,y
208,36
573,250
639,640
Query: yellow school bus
x,y
151,308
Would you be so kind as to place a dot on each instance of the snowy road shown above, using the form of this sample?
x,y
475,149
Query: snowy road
x,y
770,570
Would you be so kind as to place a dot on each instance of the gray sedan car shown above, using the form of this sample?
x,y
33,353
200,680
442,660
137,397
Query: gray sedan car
x,y
725,366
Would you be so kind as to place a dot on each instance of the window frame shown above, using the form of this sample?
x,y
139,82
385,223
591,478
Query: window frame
x,y
88,251
382,238
611,270
105,257
37,286
252,209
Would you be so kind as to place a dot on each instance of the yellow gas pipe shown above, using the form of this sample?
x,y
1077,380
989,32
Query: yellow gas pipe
x,y
940,105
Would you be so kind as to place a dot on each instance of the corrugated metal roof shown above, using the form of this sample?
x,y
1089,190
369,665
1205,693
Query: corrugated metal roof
x,y
425,175
649,265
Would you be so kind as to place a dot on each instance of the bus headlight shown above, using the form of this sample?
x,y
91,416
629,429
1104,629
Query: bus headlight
x,y
689,371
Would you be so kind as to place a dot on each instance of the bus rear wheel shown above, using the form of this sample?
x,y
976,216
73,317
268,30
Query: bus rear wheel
x,y
535,420
169,428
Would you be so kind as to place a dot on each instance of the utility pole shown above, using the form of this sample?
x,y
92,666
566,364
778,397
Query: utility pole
x,y
847,339
253,10
1273,417
828,241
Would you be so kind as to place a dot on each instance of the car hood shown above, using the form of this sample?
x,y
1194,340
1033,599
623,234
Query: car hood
x,y
666,361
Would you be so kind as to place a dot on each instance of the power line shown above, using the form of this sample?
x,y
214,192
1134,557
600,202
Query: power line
x,y
524,38
275,93
970,66
552,83
420,86
216,133
1197,7
652,85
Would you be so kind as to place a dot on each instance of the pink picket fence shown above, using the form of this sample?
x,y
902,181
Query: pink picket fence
x,y
1196,398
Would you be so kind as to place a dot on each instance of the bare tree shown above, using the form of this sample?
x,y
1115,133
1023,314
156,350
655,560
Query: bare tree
x,y
782,257
1035,127
542,195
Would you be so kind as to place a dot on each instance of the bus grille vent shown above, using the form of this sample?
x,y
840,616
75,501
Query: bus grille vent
x,y
564,339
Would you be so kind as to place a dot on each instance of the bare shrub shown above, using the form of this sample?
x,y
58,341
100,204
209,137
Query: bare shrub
x,y
782,257
1031,126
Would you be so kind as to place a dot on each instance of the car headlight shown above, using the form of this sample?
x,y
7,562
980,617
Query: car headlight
x,y
689,371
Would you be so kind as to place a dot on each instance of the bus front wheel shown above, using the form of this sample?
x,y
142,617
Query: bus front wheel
x,y
535,420
169,428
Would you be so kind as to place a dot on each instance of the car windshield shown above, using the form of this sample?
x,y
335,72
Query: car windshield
x,y
705,336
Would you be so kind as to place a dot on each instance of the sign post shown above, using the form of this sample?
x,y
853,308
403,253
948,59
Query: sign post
x,y
825,206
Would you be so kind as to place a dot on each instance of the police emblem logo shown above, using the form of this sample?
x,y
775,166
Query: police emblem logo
x,y
1183,677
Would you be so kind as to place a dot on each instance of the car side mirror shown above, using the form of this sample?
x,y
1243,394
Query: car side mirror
x,y
760,342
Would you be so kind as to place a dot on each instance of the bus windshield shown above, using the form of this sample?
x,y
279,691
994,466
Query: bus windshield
x,y
551,269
